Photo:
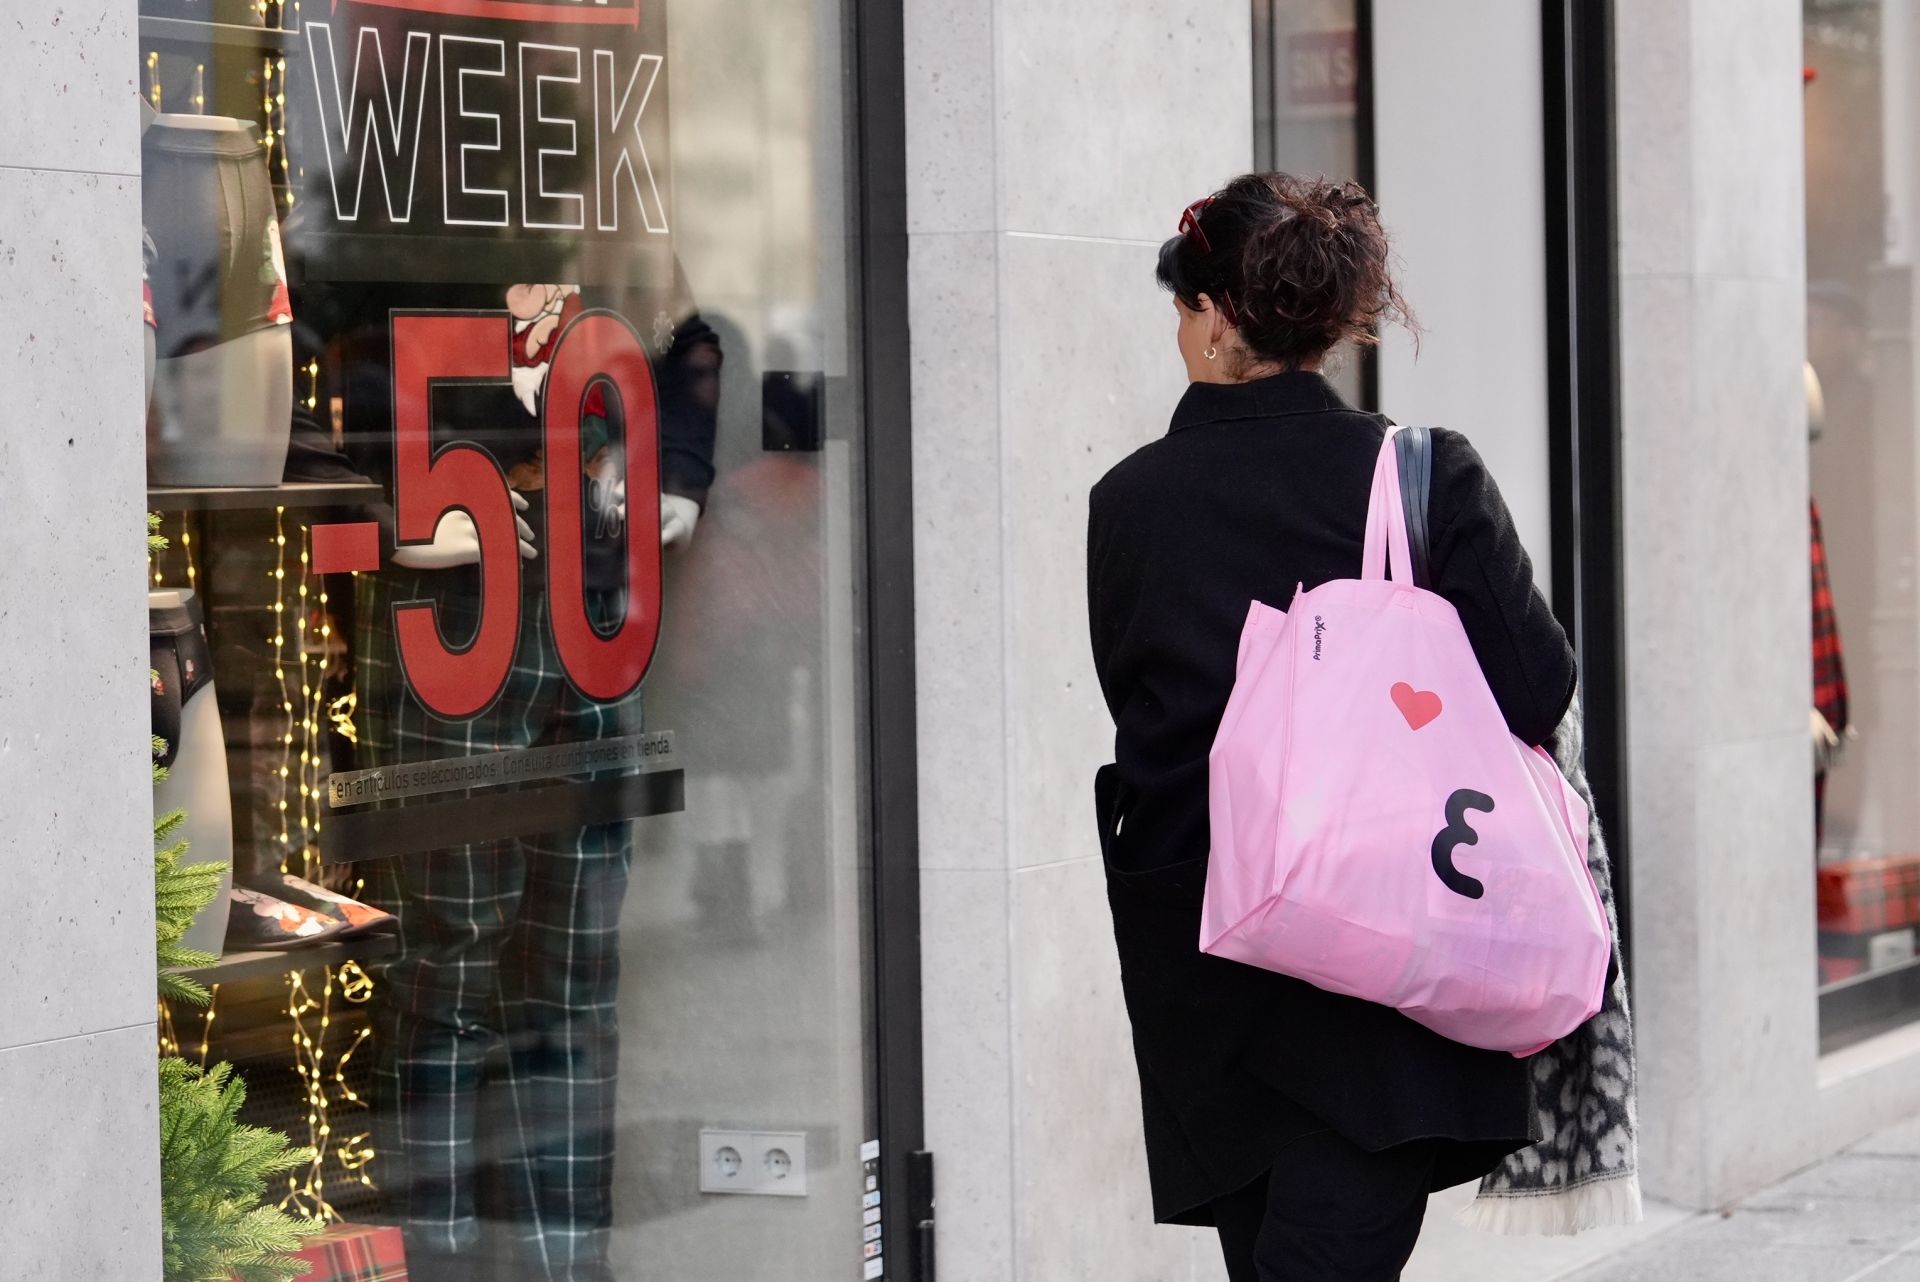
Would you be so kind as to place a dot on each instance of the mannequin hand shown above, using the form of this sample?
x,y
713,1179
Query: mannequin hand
x,y
678,516
457,542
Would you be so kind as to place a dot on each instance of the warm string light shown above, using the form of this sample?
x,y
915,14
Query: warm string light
x,y
315,634
280,101
153,79
307,1189
295,789
186,548
355,1153
273,113
279,784
200,88
341,711
266,103
169,1040
206,1023
169,1033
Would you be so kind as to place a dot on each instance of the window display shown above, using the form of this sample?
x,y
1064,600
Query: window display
x,y
504,432
1863,429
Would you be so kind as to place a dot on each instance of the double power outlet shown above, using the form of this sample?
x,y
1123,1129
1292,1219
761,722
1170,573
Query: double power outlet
x,y
769,1163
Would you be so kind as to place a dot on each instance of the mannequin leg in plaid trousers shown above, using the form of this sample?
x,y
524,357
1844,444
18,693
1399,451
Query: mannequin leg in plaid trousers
x,y
513,944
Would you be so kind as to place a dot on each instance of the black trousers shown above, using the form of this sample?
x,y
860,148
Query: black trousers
x,y
1328,1211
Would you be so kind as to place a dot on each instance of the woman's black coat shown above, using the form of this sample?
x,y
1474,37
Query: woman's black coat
x,y
1258,487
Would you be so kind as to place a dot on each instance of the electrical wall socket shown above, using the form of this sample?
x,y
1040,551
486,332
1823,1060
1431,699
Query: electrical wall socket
x,y
768,1163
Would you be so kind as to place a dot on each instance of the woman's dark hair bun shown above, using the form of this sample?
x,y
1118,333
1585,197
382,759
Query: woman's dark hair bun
x,y
1299,265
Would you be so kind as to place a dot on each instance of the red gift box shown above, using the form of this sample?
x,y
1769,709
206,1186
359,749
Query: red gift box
x,y
1861,896
1835,969
356,1253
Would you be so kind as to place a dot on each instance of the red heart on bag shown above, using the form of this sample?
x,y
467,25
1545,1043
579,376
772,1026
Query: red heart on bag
x,y
1419,707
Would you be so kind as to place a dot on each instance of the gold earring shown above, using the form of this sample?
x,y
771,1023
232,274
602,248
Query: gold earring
x,y
1209,353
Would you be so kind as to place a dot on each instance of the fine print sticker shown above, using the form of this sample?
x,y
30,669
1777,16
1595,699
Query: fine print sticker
x,y
643,752
876,1265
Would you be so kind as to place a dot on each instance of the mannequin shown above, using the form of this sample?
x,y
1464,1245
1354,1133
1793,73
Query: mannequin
x,y
1831,721
186,715
224,374
456,542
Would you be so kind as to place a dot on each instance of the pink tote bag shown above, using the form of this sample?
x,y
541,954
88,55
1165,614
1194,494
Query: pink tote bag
x,y
1377,830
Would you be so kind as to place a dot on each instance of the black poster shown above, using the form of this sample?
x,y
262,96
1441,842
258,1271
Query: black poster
x,y
483,141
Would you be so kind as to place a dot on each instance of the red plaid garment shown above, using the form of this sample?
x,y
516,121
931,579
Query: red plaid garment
x,y
1865,896
1829,666
356,1253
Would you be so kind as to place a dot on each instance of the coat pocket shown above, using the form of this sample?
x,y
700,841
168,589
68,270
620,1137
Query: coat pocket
x,y
1181,884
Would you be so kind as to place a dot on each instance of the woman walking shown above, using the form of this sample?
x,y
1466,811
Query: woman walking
x,y
1309,1128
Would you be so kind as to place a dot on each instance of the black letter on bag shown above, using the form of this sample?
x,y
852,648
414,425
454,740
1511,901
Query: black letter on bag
x,y
1459,832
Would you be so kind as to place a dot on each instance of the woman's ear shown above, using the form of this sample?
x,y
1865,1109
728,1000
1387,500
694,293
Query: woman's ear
x,y
1217,326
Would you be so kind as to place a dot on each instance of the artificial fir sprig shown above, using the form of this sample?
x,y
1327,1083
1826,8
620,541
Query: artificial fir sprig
x,y
179,893
213,1178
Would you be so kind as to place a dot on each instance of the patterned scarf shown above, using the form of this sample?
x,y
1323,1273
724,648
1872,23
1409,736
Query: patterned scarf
x,y
1585,1173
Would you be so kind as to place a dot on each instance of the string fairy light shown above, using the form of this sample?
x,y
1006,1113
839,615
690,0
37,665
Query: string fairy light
x,y
280,101
169,1039
153,78
266,104
186,549
307,1187
170,1043
341,711
314,632
206,1022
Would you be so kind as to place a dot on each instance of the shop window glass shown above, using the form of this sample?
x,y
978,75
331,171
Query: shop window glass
x,y
504,427
1862,92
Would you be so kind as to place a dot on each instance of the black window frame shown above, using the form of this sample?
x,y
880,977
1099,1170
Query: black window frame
x,y
878,49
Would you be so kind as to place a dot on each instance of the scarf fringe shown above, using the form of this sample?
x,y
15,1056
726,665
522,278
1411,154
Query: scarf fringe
x,y
1602,1204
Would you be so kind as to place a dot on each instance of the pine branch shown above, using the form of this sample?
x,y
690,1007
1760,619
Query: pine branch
x,y
214,1174
180,988
179,895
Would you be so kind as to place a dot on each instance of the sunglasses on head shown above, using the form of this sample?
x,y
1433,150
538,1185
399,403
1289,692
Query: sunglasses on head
x,y
1190,226
1190,223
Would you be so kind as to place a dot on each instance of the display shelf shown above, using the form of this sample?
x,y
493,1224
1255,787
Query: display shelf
x,y
192,33
229,498
235,968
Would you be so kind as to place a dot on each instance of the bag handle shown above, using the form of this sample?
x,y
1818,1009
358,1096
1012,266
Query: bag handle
x,y
1415,448
1386,547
